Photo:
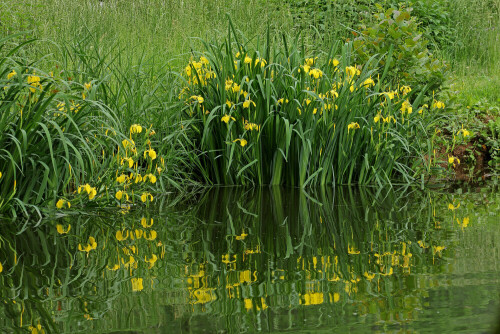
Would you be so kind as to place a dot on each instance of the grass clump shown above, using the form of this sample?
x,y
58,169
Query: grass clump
x,y
63,146
274,116
50,134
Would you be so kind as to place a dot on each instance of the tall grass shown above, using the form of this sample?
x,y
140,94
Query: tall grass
x,y
140,90
51,136
271,115
477,29
161,27
91,123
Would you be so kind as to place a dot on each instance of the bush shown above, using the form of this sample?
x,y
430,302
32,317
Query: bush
x,y
274,116
398,34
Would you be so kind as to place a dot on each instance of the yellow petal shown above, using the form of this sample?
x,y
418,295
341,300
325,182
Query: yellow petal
x,y
139,233
61,230
60,203
137,284
120,236
119,195
152,235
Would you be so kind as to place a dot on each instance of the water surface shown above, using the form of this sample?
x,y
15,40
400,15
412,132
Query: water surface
x,y
234,260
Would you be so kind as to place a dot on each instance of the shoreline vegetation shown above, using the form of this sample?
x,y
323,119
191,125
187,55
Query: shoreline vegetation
x,y
98,111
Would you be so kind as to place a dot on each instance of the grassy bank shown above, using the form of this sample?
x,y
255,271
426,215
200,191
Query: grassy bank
x,y
111,96
167,29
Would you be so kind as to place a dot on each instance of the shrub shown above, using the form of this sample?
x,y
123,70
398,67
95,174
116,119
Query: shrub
x,y
411,62
274,116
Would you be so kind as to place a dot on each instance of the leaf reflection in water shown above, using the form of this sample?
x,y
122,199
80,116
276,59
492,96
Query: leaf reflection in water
x,y
258,259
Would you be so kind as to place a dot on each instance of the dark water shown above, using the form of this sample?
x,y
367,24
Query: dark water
x,y
357,260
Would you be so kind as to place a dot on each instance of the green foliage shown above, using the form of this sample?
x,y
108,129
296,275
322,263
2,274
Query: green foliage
x,y
476,36
273,116
138,91
63,145
144,28
411,62
331,19
266,245
50,134
14,20
435,20
482,120
134,82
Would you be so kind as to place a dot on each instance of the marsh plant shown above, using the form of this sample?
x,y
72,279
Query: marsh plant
x,y
61,145
277,115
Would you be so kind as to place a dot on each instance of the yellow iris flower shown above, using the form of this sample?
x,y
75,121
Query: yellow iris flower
x,y
120,194
452,160
351,71
60,229
92,244
151,153
136,284
60,203
334,62
145,196
135,128
405,90
316,73
352,126
251,126
198,99
226,119
368,82
406,107
121,178
151,236
34,82
247,103
243,142
91,191
310,61
438,104
463,131
151,261
130,163
120,236
11,74
145,224
149,177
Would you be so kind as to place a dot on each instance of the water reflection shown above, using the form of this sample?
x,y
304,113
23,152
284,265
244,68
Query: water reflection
x,y
238,260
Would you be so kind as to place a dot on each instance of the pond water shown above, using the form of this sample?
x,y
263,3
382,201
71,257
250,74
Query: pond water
x,y
235,260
